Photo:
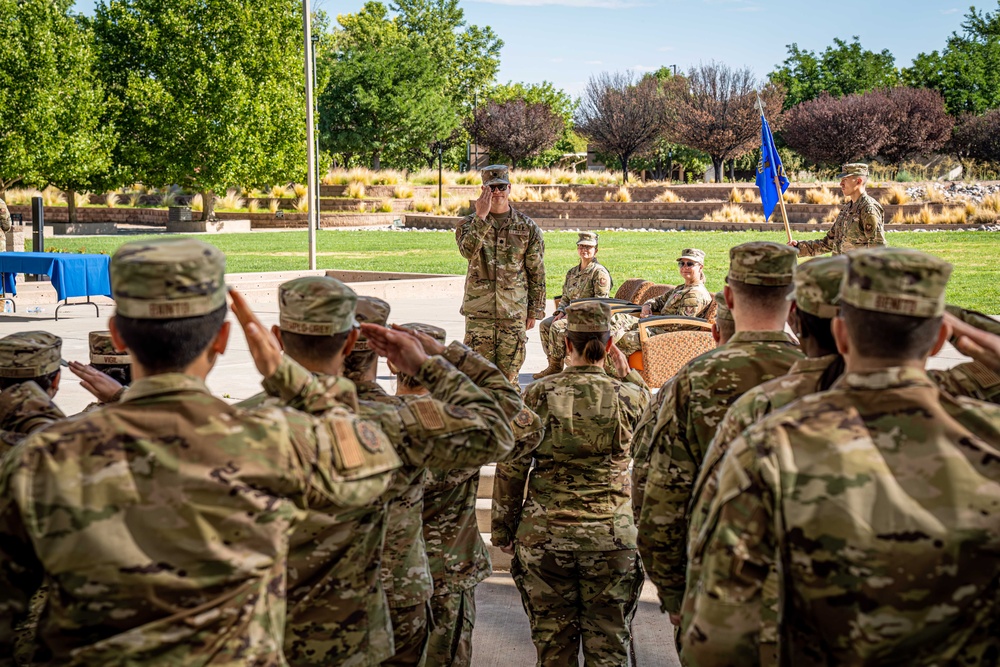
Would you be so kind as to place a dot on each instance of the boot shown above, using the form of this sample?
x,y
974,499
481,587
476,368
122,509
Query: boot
x,y
555,366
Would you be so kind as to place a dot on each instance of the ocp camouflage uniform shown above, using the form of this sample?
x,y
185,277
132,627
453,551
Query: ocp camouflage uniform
x,y
343,574
575,560
875,501
25,407
103,354
505,283
160,524
456,552
580,283
971,379
858,225
817,290
695,404
5,222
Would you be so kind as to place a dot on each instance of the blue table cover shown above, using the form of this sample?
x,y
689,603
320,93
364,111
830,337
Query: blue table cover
x,y
72,275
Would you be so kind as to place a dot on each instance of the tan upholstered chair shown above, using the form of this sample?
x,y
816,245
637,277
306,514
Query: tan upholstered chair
x,y
663,354
629,290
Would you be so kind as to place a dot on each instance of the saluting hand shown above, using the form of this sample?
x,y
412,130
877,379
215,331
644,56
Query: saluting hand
x,y
103,387
484,203
264,347
402,349
431,345
981,345
619,360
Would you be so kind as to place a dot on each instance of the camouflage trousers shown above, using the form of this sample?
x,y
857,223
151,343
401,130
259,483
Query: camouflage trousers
x,y
502,342
355,630
410,629
454,616
553,336
575,597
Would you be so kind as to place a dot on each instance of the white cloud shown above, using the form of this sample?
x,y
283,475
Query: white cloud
x,y
589,4
953,10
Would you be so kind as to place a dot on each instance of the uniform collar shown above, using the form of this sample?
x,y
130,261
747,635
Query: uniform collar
x,y
584,369
165,383
761,337
366,388
340,389
812,364
894,377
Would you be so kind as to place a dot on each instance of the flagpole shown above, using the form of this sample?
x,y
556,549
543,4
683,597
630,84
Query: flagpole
x,y
777,183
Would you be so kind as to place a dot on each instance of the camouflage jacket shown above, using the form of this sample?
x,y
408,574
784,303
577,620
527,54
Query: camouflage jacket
x,y
688,300
859,225
5,221
506,276
695,404
161,524
583,283
578,495
971,379
880,499
463,422
641,444
455,550
24,409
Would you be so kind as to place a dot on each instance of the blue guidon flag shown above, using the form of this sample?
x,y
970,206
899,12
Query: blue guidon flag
x,y
767,167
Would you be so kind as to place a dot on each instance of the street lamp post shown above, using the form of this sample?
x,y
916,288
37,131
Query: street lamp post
x,y
319,186
311,184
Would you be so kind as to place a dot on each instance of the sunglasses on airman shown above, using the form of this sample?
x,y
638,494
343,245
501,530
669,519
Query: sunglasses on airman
x,y
499,187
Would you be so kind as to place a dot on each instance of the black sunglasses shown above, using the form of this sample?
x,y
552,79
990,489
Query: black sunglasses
x,y
688,264
500,187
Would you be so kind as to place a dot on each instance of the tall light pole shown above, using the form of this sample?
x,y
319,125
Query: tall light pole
x,y
312,215
319,182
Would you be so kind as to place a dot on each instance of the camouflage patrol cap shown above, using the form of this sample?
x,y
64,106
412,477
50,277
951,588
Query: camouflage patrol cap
x,y
693,254
496,174
373,311
587,238
30,354
722,311
896,281
437,333
102,349
588,317
817,285
316,306
166,279
853,169
762,263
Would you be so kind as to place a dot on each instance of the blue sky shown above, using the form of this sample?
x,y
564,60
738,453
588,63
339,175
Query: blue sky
x,y
566,41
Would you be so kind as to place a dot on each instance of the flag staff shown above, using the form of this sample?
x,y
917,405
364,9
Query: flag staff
x,y
777,182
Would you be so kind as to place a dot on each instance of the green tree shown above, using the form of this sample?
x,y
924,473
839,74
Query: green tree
x,y
51,107
386,92
211,92
967,70
842,69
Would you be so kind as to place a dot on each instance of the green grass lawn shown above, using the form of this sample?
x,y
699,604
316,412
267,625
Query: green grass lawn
x,y
974,284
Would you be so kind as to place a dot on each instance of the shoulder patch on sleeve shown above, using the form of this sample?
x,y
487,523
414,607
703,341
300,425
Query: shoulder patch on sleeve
x,y
524,418
428,414
459,412
368,437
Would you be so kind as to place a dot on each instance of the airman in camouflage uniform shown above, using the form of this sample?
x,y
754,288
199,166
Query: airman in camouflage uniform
x,y
575,561
406,574
760,275
817,290
875,501
972,379
160,524
859,224
690,299
5,222
586,279
28,360
505,283
338,604
107,361
456,552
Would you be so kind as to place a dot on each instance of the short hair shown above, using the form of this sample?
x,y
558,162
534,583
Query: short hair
x,y
589,343
889,336
305,347
168,346
121,373
818,328
358,363
43,381
769,298
726,327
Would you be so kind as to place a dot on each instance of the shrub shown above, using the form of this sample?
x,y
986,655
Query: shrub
x,y
302,204
831,215
356,190
168,198
81,198
991,203
532,194
551,194
532,177
895,195
733,213
21,196
385,206
362,207
402,192
563,176
903,176
335,177
134,199
667,197
821,196
111,199
253,206
468,178
792,197
935,195
735,196
621,195
53,197
388,177
197,203
423,205
299,190
360,175
231,201
272,205
430,177
571,196
518,192
279,191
